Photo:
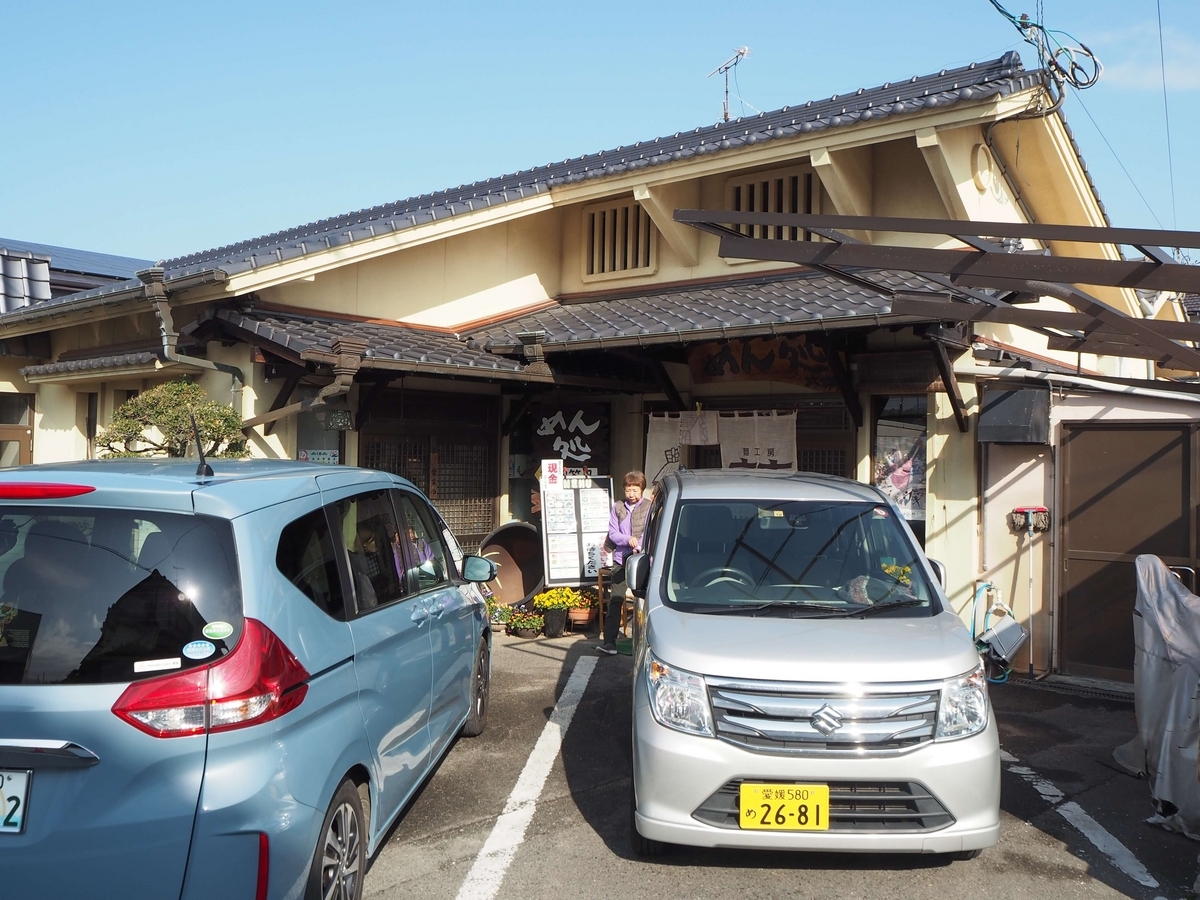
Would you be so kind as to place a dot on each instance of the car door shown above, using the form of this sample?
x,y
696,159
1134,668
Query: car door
x,y
452,617
392,658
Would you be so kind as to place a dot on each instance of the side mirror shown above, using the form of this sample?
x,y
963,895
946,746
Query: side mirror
x,y
939,569
637,573
478,569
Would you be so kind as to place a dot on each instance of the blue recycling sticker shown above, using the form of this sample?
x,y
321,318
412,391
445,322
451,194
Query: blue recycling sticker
x,y
199,649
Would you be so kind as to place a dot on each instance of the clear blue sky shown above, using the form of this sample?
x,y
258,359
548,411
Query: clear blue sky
x,y
157,129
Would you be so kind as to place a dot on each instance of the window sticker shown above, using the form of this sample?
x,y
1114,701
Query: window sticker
x,y
157,665
199,649
216,631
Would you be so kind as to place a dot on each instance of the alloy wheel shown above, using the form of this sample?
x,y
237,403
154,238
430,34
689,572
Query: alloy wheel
x,y
340,856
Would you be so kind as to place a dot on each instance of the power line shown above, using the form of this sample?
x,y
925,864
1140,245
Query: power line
x,y
1162,61
1117,158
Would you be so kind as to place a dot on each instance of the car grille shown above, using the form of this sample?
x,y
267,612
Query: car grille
x,y
826,720
866,806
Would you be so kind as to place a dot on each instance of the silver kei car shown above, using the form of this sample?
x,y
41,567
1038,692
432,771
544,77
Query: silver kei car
x,y
800,681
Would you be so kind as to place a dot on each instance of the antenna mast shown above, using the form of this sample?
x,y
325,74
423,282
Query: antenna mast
x,y
739,54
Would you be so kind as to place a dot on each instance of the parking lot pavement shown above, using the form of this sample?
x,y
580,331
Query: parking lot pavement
x,y
577,840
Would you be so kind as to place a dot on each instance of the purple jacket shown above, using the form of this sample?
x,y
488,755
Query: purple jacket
x,y
620,530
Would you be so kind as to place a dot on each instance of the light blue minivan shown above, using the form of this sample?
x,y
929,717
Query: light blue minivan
x,y
226,685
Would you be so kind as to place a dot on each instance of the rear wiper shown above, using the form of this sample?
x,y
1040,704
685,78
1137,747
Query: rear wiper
x,y
726,609
880,607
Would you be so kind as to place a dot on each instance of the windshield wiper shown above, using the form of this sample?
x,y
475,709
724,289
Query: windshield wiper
x,y
728,609
880,607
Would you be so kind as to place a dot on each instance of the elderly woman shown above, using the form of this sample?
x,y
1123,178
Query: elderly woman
x,y
626,524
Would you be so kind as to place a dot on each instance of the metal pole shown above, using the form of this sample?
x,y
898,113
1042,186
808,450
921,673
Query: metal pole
x,y
1029,532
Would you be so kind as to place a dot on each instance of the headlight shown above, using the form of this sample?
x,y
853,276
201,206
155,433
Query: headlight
x,y
964,707
678,699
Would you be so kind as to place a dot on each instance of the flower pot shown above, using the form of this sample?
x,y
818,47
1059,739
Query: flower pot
x,y
579,617
497,626
556,622
526,632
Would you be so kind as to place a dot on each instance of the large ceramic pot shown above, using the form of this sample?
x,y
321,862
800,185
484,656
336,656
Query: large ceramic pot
x,y
556,622
526,632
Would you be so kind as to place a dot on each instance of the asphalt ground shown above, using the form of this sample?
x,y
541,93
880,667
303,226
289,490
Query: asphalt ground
x,y
577,844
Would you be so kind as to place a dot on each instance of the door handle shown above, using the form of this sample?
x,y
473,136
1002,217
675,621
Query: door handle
x,y
420,613
436,609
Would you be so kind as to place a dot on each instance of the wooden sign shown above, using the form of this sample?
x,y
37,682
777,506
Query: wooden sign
x,y
793,359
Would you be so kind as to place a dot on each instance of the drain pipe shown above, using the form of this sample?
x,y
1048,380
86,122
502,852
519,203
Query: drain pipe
x,y
152,281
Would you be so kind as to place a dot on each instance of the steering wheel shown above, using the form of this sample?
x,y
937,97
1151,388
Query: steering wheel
x,y
727,573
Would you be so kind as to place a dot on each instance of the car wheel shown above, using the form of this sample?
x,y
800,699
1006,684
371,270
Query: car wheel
x,y
642,846
481,679
340,860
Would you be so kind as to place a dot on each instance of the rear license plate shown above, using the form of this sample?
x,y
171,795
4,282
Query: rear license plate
x,y
14,800
784,807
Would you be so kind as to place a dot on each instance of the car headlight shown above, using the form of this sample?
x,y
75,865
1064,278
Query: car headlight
x,y
963,710
678,699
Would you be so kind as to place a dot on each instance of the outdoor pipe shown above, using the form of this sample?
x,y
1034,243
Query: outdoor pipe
x,y
152,281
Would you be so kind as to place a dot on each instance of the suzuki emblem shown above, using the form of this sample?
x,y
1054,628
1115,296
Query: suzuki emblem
x,y
826,720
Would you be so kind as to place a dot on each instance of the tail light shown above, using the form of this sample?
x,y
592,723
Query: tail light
x,y
259,681
264,867
41,490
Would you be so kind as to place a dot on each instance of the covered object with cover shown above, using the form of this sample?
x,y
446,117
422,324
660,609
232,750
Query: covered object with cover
x,y
1166,673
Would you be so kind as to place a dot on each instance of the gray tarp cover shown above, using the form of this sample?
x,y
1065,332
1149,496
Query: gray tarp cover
x,y
1166,672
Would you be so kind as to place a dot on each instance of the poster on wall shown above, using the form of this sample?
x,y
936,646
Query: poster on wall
x,y
577,433
900,467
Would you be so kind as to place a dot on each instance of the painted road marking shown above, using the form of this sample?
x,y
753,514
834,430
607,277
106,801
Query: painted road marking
x,y
1104,841
487,873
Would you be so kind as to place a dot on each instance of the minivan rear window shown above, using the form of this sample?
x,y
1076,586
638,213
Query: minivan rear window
x,y
93,596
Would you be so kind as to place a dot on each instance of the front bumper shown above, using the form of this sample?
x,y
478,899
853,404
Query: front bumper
x,y
675,773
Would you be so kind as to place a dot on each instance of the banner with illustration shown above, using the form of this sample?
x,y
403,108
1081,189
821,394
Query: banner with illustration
x,y
669,433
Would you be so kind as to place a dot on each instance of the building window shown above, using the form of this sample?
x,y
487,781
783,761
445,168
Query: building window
x,y
783,191
619,240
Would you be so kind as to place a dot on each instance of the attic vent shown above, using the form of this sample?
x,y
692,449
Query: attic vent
x,y
784,191
619,239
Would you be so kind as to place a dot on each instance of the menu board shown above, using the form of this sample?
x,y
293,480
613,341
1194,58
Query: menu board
x,y
574,526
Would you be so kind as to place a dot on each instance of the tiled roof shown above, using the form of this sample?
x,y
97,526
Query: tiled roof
x,y
398,347
24,279
973,83
705,312
1191,304
83,262
94,363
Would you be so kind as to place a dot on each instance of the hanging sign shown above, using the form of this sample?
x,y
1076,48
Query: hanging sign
x,y
577,433
792,360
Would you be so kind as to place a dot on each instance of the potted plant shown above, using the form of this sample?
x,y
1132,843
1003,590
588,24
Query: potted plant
x,y
498,614
553,605
580,615
525,624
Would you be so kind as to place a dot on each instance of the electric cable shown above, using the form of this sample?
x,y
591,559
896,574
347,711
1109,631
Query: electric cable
x,y
1162,63
1073,63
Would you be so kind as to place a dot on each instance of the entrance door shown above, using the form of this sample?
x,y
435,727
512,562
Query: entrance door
x,y
448,446
1127,490
16,430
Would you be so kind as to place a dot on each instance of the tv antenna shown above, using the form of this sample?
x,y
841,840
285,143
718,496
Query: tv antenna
x,y
739,54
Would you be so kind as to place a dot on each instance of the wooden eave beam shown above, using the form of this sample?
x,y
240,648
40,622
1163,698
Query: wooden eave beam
x,y
936,159
841,376
950,382
660,203
281,399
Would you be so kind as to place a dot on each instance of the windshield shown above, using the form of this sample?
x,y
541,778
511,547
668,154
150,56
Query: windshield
x,y
89,596
809,557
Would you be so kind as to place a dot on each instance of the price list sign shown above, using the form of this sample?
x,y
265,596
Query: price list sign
x,y
574,526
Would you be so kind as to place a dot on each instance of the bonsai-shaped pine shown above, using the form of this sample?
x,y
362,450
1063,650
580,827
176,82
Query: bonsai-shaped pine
x,y
159,423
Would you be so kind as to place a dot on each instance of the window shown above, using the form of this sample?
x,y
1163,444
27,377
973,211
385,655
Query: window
x,y
619,239
783,191
102,596
307,558
424,543
373,549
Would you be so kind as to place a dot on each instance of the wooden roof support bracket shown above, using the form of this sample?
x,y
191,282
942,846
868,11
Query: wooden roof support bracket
x,y
840,376
281,399
946,369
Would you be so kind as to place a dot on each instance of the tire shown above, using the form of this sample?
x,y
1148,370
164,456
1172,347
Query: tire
x,y
642,846
340,860
481,678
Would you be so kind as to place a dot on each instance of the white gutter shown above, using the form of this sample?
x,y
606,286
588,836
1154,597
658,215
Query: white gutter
x,y
1075,380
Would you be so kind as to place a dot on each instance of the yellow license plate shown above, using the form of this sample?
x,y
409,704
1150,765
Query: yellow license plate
x,y
784,807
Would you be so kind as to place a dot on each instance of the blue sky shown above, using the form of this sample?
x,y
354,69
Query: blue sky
x,y
157,129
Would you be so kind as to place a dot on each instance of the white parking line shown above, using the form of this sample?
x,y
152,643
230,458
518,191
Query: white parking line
x,y
487,873
1122,857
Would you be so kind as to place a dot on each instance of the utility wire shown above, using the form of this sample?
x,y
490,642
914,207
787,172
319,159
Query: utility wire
x,y
1117,158
1162,61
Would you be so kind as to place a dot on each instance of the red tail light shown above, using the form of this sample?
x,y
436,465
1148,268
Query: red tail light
x,y
264,866
32,490
259,681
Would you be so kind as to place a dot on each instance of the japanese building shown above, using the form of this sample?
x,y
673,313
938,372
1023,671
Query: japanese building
x,y
459,337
